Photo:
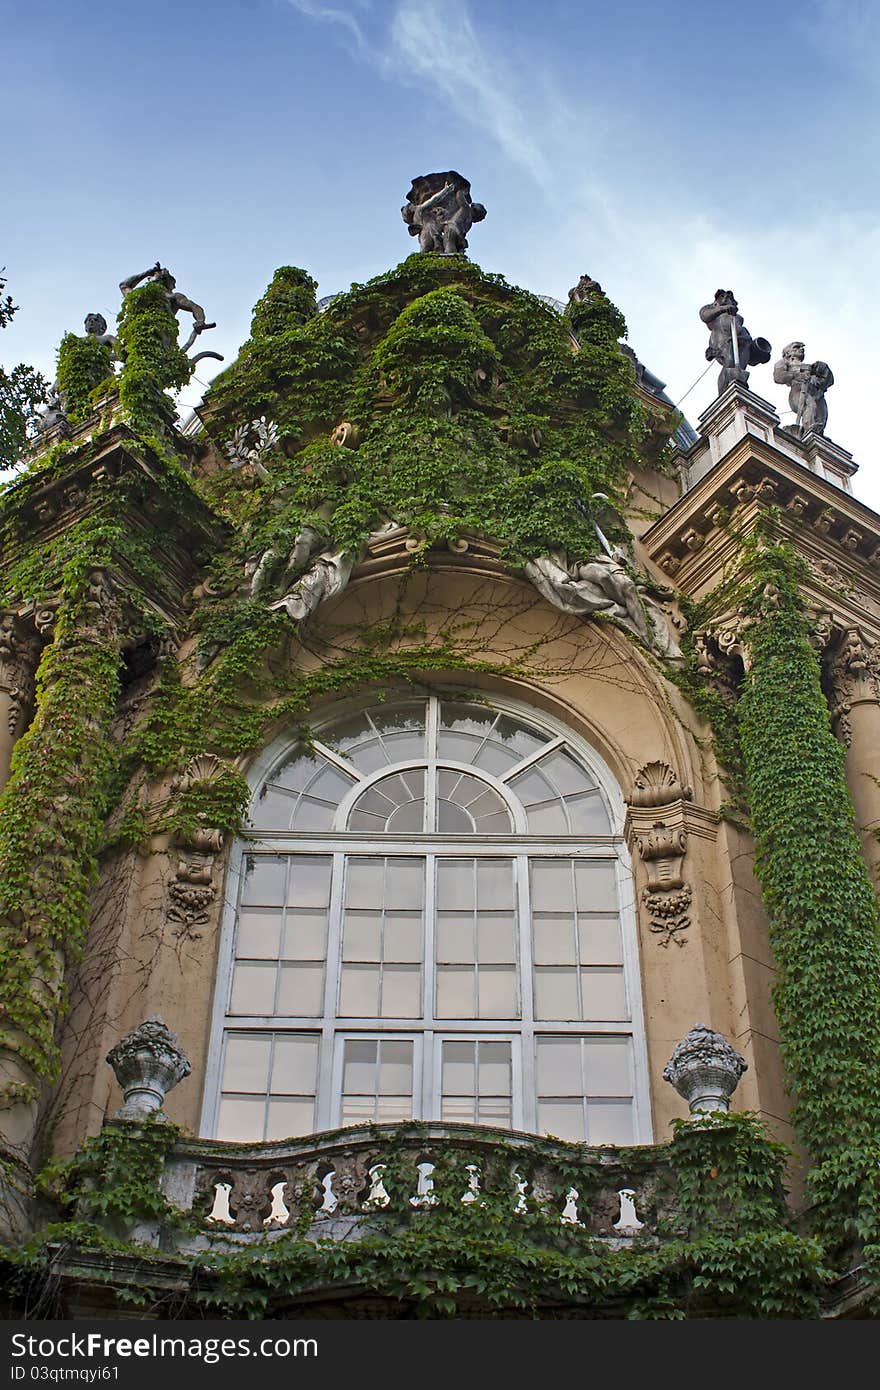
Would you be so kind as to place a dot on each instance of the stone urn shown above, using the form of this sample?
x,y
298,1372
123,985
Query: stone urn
x,y
705,1070
147,1063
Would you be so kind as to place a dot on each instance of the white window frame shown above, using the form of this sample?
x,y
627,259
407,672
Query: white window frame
x,y
520,845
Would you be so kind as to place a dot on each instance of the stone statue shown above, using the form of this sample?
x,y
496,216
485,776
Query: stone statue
x,y
808,381
325,578
158,274
96,327
730,342
439,211
583,289
601,585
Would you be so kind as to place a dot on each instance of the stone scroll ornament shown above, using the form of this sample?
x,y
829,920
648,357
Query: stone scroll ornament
x,y
662,848
705,1070
192,890
731,344
440,212
147,1063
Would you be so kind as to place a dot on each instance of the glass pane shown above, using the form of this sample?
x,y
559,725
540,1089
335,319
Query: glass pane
x,y
452,819
330,785
588,815
494,1111
288,1118
401,991
531,787
521,740
551,885
363,882
402,747
554,941
264,880
359,992
455,937
296,774
556,994
495,758
361,939
455,991
274,807
403,936
603,993
566,773
495,937
455,883
301,990
368,757
547,818
309,880
312,814
359,1075
246,1066
295,1067
395,1067
253,989
405,883
495,1073
459,1076
600,940
559,1067
259,930
562,1118
475,720
458,748
596,882
610,1121
408,819
305,935
458,1110
495,882
608,1067
497,992
241,1119
358,1110
366,821
392,1109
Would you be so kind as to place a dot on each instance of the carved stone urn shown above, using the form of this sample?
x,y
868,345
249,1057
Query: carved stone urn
x,y
147,1063
705,1070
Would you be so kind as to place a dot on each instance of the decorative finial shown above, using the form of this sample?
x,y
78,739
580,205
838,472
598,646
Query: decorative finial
x,y
439,211
808,381
730,342
705,1070
147,1063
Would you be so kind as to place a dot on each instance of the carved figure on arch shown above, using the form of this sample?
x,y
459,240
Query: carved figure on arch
x,y
601,585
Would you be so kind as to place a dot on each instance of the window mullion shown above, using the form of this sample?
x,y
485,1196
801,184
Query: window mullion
x,y
325,1099
528,1083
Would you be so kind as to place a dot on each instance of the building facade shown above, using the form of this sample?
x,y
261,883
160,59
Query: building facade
x,y
396,736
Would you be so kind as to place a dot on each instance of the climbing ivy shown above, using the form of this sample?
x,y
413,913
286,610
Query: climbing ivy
x,y
153,363
84,366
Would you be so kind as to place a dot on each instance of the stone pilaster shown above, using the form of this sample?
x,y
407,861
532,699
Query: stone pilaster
x,y
19,652
854,673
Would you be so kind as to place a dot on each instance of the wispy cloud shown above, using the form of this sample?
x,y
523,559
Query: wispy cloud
x,y
435,45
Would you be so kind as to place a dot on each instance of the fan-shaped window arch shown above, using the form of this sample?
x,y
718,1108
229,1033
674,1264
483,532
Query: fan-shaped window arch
x,y
432,918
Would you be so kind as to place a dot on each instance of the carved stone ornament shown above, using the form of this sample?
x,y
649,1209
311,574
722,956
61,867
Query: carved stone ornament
x,y
147,1063
669,913
440,212
731,344
705,1070
250,443
192,890
853,676
602,586
657,784
19,653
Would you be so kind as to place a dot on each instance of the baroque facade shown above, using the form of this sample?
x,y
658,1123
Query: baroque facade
x,y
383,775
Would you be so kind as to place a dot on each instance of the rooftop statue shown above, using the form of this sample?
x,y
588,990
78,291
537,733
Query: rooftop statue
x,y
159,274
439,211
583,289
56,409
808,381
96,327
730,342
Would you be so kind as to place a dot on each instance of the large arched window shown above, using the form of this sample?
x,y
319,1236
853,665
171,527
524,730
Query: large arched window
x,y
431,918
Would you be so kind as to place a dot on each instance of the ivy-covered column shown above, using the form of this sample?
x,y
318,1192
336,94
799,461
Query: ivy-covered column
x,y
854,670
820,901
19,651
51,819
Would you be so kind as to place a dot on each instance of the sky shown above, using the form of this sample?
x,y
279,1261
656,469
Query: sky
x,y
665,150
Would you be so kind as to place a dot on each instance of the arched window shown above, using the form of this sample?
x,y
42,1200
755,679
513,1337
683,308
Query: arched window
x,y
432,919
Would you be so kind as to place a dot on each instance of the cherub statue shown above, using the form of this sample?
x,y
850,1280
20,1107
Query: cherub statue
x,y
439,211
808,381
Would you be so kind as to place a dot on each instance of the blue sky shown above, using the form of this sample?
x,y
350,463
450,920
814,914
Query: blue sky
x,y
664,149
